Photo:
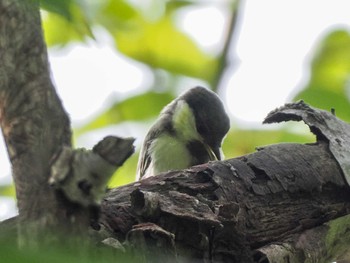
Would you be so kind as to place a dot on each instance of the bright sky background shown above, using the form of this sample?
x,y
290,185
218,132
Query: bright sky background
x,y
276,41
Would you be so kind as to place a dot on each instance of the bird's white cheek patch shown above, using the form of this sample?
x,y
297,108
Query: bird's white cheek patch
x,y
168,153
184,122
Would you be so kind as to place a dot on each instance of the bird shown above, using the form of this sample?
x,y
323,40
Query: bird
x,y
189,131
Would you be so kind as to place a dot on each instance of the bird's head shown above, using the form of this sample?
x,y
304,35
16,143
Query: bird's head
x,y
199,115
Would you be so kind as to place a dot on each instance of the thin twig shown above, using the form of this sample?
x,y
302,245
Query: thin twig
x,y
224,56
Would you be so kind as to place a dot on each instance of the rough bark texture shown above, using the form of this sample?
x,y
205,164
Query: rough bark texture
x,y
324,125
32,118
222,211
82,175
276,205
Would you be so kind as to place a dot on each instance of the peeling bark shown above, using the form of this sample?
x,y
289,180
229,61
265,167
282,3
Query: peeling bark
x,y
325,125
82,175
274,205
268,206
223,211
319,244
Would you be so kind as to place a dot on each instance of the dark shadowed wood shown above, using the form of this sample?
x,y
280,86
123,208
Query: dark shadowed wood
x,y
222,210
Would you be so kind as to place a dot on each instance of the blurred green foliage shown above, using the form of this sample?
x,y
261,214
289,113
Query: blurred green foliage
x,y
242,141
7,190
140,107
62,7
68,16
148,33
11,254
151,38
329,82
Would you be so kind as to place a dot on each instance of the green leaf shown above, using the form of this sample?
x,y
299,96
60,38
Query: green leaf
x,y
125,174
330,72
60,7
172,6
157,43
327,99
7,190
136,108
161,45
113,14
331,66
62,28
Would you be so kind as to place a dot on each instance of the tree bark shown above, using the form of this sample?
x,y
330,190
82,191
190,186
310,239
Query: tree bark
x,y
38,138
225,211
33,121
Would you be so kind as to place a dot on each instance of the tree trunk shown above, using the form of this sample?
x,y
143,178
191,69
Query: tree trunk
x,y
33,121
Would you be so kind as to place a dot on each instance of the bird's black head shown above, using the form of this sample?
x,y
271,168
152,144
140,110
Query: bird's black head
x,y
212,122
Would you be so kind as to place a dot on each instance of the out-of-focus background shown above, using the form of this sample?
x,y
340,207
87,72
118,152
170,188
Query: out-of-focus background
x,y
116,63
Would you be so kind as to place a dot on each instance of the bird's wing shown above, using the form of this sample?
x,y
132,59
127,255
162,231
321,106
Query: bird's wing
x,y
145,158
162,124
144,161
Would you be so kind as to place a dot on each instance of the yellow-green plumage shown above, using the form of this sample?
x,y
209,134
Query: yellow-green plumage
x,y
188,131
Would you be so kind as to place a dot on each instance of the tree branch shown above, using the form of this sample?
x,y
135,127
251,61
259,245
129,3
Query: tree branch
x,y
228,45
261,207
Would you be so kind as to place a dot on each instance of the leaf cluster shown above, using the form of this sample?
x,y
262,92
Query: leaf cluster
x,y
148,34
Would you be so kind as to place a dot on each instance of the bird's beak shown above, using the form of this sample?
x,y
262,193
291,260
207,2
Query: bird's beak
x,y
214,153
218,153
